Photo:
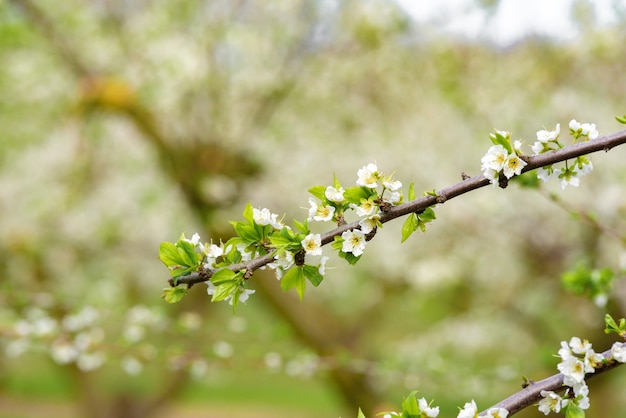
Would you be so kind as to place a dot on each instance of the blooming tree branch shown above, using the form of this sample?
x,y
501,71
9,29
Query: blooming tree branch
x,y
468,184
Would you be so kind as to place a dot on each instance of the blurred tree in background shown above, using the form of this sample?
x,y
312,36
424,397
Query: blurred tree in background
x,y
124,123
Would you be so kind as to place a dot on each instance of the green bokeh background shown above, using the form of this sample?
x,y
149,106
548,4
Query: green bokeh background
x,y
123,124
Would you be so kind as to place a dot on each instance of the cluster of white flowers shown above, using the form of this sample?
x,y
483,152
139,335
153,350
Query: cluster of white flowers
x,y
498,159
578,129
369,176
570,174
210,251
506,159
328,204
577,360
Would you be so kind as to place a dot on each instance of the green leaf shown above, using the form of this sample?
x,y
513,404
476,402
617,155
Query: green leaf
x,y
573,411
248,213
360,414
611,325
294,277
337,243
498,139
181,258
222,276
411,192
528,180
428,215
336,183
349,257
622,119
301,287
410,408
188,254
313,275
587,282
174,294
224,290
168,254
355,194
249,233
302,227
285,240
409,226
318,191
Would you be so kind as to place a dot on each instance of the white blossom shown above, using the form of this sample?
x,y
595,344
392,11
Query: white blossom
x,y
497,413
551,402
265,217
322,268
319,212
392,185
579,346
544,136
427,411
569,177
334,195
367,176
513,166
573,371
495,158
353,242
367,208
312,244
284,261
618,352
469,410
546,173
369,224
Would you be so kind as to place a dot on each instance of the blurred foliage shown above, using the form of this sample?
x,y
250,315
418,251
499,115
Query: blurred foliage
x,y
125,123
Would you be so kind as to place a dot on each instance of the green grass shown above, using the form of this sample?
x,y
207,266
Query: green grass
x,y
37,380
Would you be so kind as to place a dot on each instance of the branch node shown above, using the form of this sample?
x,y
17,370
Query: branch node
x,y
298,258
370,235
503,182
